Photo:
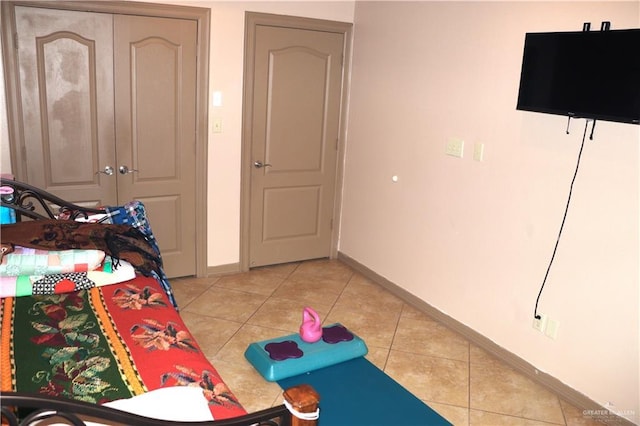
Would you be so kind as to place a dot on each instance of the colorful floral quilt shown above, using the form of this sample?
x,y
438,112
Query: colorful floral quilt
x,y
104,344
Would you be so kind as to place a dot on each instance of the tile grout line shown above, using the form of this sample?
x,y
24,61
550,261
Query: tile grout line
x,y
283,280
404,309
335,302
246,321
393,339
181,307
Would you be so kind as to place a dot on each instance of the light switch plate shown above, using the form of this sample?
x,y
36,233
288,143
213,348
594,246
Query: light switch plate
x,y
478,151
217,125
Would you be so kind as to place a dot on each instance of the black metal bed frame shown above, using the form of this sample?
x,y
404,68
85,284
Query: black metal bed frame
x,y
21,409
35,203
76,413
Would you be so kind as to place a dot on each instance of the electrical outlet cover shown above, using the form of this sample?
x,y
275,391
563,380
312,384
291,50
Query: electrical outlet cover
x,y
455,148
540,324
478,151
551,329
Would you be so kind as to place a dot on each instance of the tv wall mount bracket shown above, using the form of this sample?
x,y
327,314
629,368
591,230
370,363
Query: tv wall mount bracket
x,y
604,26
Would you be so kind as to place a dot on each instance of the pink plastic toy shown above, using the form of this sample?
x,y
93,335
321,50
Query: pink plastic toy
x,y
311,328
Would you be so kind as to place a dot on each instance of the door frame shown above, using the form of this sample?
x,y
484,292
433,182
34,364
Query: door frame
x,y
252,20
12,86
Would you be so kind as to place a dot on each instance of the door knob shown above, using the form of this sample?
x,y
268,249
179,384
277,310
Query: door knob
x,y
124,170
259,165
108,170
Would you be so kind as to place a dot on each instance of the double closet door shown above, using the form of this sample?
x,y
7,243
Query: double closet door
x,y
109,115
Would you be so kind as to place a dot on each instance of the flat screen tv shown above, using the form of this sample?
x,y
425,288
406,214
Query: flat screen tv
x,y
583,74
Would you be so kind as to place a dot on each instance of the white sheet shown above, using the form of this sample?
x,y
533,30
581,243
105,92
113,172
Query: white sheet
x,y
176,403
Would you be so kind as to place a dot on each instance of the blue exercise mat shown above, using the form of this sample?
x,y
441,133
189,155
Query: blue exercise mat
x,y
357,393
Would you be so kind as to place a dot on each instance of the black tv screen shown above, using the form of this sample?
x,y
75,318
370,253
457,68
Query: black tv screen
x,y
585,74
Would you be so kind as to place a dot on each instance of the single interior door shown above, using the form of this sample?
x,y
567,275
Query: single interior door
x,y
155,89
297,86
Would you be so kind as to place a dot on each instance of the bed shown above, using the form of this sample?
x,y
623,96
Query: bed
x,y
90,331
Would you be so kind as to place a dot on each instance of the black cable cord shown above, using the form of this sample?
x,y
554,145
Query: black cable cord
x,y
564,217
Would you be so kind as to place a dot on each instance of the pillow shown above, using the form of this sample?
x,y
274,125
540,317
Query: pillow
x,y
26,285
28,261
112,274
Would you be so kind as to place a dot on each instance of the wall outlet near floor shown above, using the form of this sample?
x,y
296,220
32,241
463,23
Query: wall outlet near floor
x,y
541,323
546,325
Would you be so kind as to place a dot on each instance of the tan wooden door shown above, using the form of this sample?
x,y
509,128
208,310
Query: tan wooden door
x,y
66,86
108,107
155,75
297,85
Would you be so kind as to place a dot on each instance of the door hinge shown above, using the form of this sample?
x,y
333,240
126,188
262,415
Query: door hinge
x,y
15,41
337,143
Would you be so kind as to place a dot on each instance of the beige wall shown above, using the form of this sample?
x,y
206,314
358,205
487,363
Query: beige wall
x,y
474,238
226,73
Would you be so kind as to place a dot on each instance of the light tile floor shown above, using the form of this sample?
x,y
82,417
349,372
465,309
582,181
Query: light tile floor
x,y
459,380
